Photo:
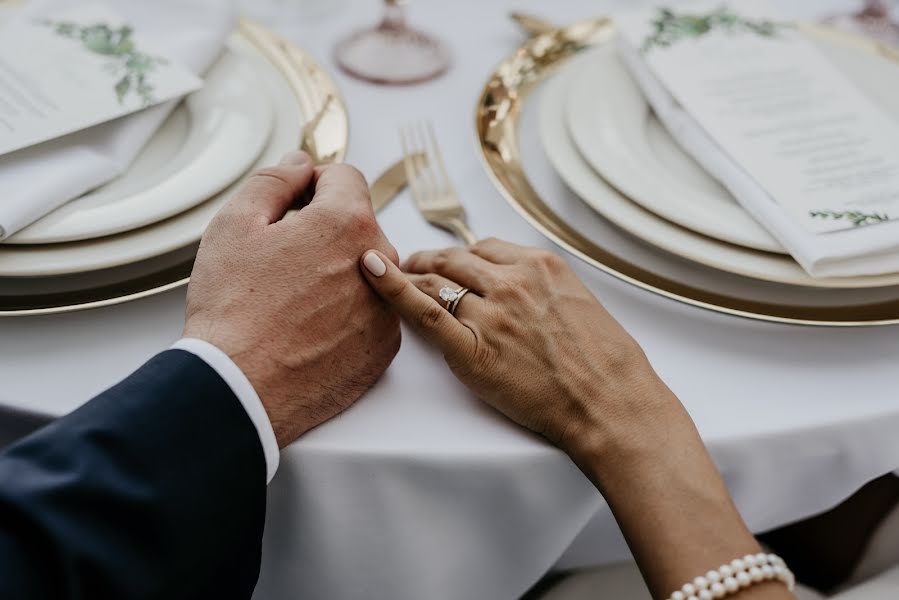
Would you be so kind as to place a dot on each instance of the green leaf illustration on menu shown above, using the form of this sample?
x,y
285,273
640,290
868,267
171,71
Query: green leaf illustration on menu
x,y
130,67
671,27
857,218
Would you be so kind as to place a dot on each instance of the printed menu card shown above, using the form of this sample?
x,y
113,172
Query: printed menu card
x,y
763,92
77,69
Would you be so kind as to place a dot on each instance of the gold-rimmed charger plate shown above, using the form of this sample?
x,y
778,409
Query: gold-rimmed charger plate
x,y
498,114
309,85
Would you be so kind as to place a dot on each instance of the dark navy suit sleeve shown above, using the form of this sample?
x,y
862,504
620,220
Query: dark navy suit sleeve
x,y
153,489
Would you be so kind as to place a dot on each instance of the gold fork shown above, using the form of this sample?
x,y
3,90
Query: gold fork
x,y
309,146
432,189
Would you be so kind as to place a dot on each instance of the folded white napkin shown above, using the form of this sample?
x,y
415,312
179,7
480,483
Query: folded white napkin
x,y
870,250
39,179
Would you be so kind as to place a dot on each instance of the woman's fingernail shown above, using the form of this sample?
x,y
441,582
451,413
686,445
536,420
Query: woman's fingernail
x,y
295,157
374,264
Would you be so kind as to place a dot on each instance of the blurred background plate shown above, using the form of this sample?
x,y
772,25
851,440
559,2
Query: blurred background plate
x,y
616,131
39,295
209,141
509,140
53,278
181,230
602,197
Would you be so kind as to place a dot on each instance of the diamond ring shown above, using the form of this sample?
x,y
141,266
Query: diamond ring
x,y
452,297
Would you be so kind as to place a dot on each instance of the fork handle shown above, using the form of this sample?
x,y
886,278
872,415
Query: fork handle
x,y
462,230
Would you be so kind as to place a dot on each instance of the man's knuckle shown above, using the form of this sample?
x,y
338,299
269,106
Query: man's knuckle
x,y
345,171
355,175
392,254
348,177
271,178
365,222
358,216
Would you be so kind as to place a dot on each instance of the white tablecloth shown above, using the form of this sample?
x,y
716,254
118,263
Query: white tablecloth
x,y
421,492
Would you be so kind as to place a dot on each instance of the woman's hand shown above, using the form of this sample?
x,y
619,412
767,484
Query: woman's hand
x,y
531,340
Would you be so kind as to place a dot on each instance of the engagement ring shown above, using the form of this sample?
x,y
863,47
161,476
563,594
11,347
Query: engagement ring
x,y
452,297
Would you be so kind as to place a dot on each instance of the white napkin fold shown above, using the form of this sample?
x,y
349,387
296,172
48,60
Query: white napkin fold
x,y
36,180
872,250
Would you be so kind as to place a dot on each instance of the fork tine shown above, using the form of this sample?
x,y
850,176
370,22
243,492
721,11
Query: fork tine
x,y
440,165
409,162
432,174
427,166
429,189
429,180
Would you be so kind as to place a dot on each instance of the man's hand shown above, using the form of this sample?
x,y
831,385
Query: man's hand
x,y
283,295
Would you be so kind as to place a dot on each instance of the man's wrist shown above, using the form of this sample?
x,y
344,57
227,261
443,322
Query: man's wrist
x,y
237,380
281,388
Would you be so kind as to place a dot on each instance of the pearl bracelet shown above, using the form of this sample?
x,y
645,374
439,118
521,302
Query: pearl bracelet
x,y
739,574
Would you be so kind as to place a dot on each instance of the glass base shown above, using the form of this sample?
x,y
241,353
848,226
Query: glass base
x,y
393,55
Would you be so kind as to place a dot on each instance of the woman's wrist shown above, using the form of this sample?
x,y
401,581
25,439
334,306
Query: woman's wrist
x,y
655,473
647,417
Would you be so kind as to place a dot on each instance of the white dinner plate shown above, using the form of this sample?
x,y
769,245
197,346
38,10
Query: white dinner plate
x,y
617,133
181,230
208,142
662,233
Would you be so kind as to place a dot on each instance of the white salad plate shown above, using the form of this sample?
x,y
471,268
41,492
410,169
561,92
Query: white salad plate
x,y
248,68
580,176
615,130
208,142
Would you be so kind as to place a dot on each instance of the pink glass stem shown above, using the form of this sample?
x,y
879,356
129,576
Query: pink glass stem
x,y
394,16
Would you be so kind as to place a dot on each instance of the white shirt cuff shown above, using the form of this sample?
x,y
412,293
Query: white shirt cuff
x,y
243,389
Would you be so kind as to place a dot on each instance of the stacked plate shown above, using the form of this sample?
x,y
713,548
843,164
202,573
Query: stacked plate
x,y
696,243
138,234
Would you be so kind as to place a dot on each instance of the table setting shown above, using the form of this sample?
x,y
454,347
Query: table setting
x,y
127,235
768,301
